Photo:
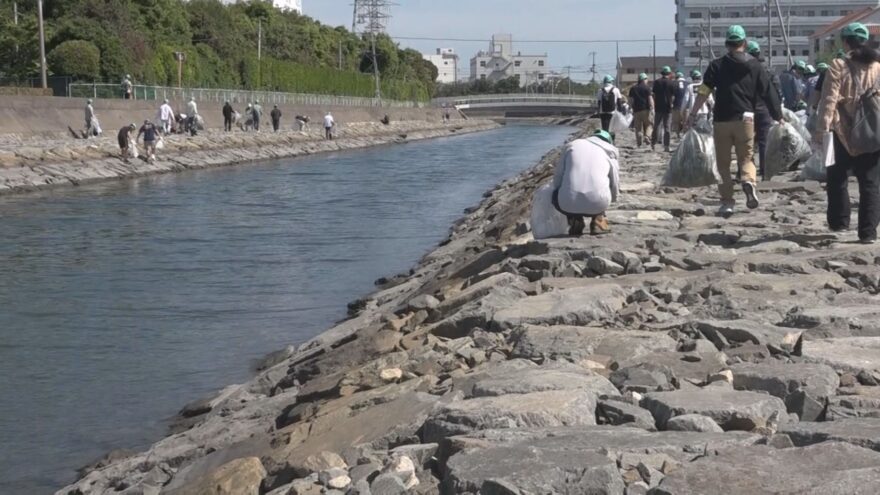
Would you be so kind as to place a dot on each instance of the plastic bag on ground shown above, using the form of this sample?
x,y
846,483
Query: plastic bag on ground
x,y
546,219
619,122
785,147
693,164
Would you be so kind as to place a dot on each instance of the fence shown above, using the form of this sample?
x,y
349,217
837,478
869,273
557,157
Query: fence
x,y
574,100
140,92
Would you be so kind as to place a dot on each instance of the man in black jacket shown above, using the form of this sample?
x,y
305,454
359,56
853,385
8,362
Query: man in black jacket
x,y
276,118
228,112
739,82
664,94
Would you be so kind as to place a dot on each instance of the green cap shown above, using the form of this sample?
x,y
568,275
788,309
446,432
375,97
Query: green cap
x,y
643,77
666,70
811,69
856,30
840,54
696,74
753,48
604,136
822,66
608,79
801,65
679,74
802,105
736,34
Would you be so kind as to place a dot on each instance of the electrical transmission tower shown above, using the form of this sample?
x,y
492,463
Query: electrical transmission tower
x,y
372,16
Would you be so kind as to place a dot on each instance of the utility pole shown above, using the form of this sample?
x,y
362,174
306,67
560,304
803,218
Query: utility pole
x,y
569,80
709,37
42,45
354,17
654,56
15,19
374,15
617,61
259,53
784,34
593,67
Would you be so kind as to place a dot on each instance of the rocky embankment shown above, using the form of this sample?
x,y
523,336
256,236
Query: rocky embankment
x,y
34,163
681,354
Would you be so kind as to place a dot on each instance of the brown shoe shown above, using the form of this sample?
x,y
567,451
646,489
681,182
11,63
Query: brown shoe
x,y
599,225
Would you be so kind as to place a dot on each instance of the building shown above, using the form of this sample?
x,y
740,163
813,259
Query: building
x,y
702,24
295,5
500,62
446,61
827,40
629,68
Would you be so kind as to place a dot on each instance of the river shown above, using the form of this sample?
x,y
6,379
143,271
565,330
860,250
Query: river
x,y
120,302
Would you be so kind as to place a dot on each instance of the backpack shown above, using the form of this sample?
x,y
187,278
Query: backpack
x,y
609,102
864,136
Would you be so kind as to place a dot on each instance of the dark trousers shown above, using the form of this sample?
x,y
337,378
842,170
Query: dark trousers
x,y
275,125
763,123
866,168
606,121
256,123
227,123
328,133
661,128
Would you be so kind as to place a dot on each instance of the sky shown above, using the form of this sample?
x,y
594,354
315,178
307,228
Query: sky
x,y
527,21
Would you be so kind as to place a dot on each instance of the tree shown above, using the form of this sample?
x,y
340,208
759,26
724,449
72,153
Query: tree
x,y
77,58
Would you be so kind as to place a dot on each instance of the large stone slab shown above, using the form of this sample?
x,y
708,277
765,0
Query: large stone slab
x,y
576,343
542,380
824,469
746,331
848,354
864,432
578,306
693,366
805,388
731,409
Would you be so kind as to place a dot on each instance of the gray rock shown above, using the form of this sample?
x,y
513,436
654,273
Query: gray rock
x,y
644,377
421,453
365,472
864,432
731,409
827,468
693,422
576,306
387,484
602,266
630,262
613,412
694,366
852,354
424,301
745,331
805,388
576,343
544,379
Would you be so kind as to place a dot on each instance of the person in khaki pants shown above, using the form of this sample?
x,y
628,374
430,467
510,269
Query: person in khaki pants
x,y
739,82
642,102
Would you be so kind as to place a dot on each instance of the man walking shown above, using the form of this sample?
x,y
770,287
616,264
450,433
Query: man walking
x,y
228,114
90,117
151,135
166,115
329,122
257,113
608,97
192,110
664,94
126,87
680,103
642,102
276,118
792,85
739,82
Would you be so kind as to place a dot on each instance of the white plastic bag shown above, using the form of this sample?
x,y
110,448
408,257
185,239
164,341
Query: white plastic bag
x,y
785,147
132,149
798,120
816,168
693,164
160,143
546,219
619,123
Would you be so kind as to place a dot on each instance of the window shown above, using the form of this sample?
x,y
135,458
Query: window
x,y
734,15
540,76
540,63
482,76
844,13
630,71
695,54
517,63
826,13
716,15
482,63
696,15
716,34
445,62
811,13
805,53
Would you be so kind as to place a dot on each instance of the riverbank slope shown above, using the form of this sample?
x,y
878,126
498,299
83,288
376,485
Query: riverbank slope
x,y
681,354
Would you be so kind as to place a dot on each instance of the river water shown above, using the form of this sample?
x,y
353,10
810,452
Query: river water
x,y
121,302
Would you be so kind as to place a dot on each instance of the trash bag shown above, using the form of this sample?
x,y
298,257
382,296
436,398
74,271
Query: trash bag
x,y
814,169
785,147
132,149
160,144
96,127
798,120
546,219
693,164
619,122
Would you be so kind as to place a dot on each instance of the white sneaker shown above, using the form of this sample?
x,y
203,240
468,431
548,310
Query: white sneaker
x,y
725,211
751,194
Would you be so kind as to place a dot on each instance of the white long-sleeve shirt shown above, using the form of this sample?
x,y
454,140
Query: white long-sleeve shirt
x,y
587,177
608,89
192,109
165,112
328,121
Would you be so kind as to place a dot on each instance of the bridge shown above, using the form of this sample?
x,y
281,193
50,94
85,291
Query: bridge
x,y
521,105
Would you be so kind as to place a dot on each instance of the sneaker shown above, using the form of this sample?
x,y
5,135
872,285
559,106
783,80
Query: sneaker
x,y
726,211
576,226
751,194
599,225
868,241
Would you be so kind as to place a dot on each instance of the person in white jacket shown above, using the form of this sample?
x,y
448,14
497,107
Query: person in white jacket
x,y
166,115
608,99
587,181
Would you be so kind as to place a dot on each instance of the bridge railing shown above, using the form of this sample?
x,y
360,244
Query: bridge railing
x,y
574,100
141,92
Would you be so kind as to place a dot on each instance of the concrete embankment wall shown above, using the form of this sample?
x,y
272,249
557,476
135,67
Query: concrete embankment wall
x,y
46,115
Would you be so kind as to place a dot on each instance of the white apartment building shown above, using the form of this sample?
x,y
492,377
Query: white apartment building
x,y
698,21
446,61
500,62
295,5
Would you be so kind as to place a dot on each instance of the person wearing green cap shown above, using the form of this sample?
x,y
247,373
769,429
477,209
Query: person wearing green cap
x,y
763,120
664,94
679,103
739,82
822,69
642,102
792,85
705,111
846,83
586,181
609,98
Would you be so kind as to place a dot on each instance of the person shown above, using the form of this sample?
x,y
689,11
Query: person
x,y
127,87
275,114
811,79
664,92
90,119
228,114
247,122
822,68
386,120
125,140
739,82
704,112
166,116
608,97
845,82
763,120
792,85
447,115
329,123
679,103
257,114
151,135
192,112
642,102
303,122
586,181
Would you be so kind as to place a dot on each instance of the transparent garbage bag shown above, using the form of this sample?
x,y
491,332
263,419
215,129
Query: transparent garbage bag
x,y
620,122
798,120
816,168
546,219
132,149
693,164
785,147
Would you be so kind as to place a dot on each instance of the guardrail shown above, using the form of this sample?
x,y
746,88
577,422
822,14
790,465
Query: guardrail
x,y
141,92
574,100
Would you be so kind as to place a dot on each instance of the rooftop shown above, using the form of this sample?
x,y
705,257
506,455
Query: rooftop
x,y
843,21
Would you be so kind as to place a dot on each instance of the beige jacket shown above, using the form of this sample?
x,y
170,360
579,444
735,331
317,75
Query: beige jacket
x,y
840,90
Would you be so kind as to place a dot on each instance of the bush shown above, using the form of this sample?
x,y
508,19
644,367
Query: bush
x,y
77,58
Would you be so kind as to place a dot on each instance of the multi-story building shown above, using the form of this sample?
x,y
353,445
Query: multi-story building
x,y
629,68
446,61
295,5
702,24
500,62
